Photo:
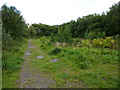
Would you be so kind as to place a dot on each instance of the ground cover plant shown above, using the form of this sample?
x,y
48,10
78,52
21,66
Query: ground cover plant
x,y
77,54
89,68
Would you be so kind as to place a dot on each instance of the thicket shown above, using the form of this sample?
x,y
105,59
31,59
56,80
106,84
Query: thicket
x,y
93,64
107,42
92,26
63,35
97,28
14,29
94,30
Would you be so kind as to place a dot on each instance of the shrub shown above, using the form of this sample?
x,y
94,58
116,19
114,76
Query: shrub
x,y
11,61
108,42
56,51
94,34
97,42
77,42
82,61
86,43
63,35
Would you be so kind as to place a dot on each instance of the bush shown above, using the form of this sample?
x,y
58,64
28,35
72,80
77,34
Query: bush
x,y
56,51
82,60
86,43
63,35
77,42
93,35
11,61
108,42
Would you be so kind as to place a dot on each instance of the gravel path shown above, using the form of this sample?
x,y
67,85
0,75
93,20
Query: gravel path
x,y
31,78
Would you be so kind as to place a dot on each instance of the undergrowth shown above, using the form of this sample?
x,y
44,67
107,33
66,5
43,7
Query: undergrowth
x,y
11,60
86,66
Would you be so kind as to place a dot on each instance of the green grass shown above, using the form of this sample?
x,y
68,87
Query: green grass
x,y
91,67
82,67
9,79
11,63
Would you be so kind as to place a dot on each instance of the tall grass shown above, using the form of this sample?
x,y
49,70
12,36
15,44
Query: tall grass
x,y
11,60
78,64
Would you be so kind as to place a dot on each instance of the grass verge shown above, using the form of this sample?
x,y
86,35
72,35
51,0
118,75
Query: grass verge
x,y
12,59
78,66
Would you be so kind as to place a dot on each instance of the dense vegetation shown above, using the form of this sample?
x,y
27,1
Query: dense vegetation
x,y
90,42
90,26
14,30
83,66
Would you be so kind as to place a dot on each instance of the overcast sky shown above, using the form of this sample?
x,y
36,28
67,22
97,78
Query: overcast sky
x,y
53,12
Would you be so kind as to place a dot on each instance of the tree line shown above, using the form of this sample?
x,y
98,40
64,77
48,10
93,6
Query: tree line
x,y
90,26
14,30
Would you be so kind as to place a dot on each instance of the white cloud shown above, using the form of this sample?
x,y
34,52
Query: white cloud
x,y
54,12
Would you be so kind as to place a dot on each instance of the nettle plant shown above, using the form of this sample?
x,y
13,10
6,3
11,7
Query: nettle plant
x,y
108,42
86,43
77,42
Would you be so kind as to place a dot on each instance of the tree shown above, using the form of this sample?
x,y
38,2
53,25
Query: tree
x,y
32,32
44,30
13,22
64,34
113,19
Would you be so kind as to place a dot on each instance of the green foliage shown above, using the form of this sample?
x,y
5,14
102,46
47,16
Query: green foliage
x,y
13,22
107,42
14,30
95,25
64,76
112,19
86,43
56,51
81,59
83,63
63,35
9,79
84,59
77,42
93,34
44,30
79,64
7,40
32,32
12,56
11,61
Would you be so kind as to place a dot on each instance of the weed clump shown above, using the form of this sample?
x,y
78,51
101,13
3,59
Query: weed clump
x,y
55,51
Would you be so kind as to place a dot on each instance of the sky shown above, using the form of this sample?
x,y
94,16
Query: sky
x,y
56,12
